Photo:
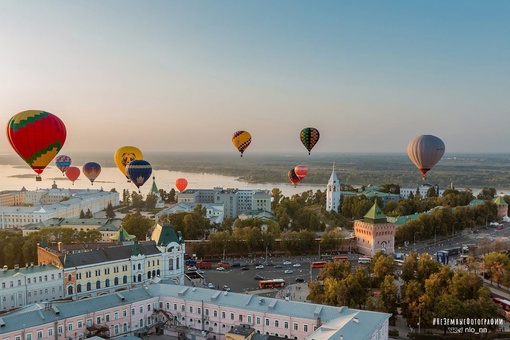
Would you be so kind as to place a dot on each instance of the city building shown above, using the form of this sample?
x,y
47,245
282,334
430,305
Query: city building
x,y
12,198
502,207
154,190
30,284
374,233
422,189
214,211
91,270
196,313
235,201
333,192
80,200
106,226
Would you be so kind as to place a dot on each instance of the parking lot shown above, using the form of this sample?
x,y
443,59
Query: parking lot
x,y
241,279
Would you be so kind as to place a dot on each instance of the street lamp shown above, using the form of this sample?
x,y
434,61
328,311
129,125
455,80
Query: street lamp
x,y
453,229
415,239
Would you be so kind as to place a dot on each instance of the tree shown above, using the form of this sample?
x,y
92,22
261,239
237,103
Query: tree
x,y
487,194
150,202
89,214
136,224
277,196
110,213
82,214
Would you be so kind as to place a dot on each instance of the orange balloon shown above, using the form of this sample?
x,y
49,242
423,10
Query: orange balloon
x,y
181,184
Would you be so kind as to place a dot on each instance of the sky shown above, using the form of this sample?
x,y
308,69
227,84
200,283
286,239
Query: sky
x,y
185,75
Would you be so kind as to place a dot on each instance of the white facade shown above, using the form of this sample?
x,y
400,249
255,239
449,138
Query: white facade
x,y
333,192
235,201
83,200
214,211
29,284
422,188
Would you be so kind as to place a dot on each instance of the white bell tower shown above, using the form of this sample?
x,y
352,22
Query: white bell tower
x,y
333,192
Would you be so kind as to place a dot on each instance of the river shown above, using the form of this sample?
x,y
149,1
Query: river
x,y
15,178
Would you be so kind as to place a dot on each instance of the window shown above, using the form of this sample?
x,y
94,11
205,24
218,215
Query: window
x,y
199,310
286,325
215,313
141,309
50,332
80,324
124,313
98,320
70,326
267,322
276,323
39,334
240,317
148,308
28,336
191,309
223,315
89,322
182,308
231,316
107,317
258,321
248,319
125,327
116,316
116,329
206,311
132,311
175,306
305,328
60,329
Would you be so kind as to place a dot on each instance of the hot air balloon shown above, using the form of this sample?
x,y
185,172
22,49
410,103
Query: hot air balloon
x,y
309,137
241,140
139,171
301,171
124,155
73,172
91,170
425,151
63,163
181,184
37,137
293,178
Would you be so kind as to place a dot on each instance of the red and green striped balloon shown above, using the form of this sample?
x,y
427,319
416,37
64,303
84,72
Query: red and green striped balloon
x,y
37,137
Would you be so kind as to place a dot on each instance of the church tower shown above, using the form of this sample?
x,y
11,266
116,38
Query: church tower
x,y
333,192
154,190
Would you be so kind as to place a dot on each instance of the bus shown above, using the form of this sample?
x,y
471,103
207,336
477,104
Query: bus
x,y
505,305
399,263
364,260
341,258
271,283
318,264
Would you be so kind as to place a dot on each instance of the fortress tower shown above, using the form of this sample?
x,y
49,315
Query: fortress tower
x,y
333,192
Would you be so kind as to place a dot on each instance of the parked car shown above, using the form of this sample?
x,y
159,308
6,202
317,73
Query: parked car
x,y
297,265
287,262
278,266
259,267
192,268
259,277
211,285
289,271
300,279
226,288
245,268
220,269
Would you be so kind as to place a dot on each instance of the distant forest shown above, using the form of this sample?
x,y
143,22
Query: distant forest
x,y
463,170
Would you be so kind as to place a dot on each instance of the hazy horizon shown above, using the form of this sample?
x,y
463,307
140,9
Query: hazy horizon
x,y
184,76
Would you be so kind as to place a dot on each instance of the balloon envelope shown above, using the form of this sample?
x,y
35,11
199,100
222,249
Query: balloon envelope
x,y
124,155
139,171
37,137
63,163
425,151
181,184
73,172
309,137
241,140
301,171
91,170
293,178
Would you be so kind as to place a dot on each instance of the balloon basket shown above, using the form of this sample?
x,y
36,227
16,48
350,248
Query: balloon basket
x,y
38,178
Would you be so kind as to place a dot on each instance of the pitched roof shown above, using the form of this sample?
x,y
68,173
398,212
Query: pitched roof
x,y
122,236
165,234
499,201
375,214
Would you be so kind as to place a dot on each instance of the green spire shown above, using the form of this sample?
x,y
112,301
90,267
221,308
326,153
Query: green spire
x,y
154,188
136,249
499,201
122,236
